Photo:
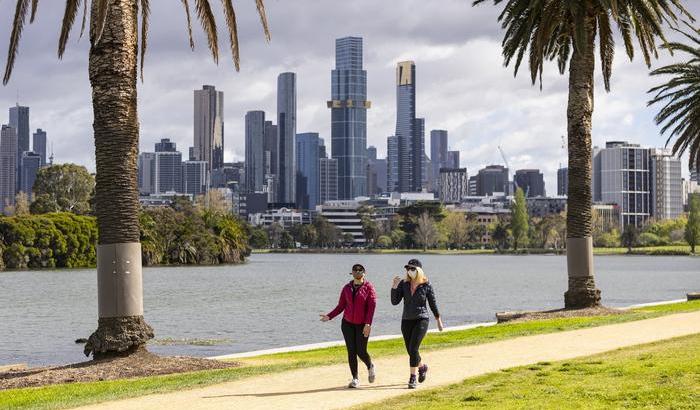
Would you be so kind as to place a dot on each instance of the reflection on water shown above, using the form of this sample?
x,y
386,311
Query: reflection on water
x,y
274,299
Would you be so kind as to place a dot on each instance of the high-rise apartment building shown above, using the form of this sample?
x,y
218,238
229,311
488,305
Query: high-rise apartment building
x,y
453,184
31,162
376,176
209,127
194,177
493,178
438,151
286,133
666,184
328,179
563,181
270,146
254,151
453,159
349,106
531,181
371,152
392,164
39,145
308,182
19,120
165,145
147,173
8,166
410,161
168,172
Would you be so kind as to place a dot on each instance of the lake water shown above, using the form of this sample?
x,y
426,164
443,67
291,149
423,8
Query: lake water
x,y
274,300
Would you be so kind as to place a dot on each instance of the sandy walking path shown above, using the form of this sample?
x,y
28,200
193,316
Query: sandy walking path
x,y
324,387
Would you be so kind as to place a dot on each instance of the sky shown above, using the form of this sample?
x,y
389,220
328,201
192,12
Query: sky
x,y
462,84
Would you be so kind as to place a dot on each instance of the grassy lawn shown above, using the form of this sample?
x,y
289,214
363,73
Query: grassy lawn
x,y
70,395
659,375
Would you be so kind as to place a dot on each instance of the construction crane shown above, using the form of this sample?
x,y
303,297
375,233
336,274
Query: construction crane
x,y
505,160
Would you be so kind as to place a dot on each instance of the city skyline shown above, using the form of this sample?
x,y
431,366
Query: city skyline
x,y
479,104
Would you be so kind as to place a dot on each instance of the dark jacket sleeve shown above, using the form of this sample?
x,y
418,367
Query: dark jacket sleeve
x,y
431,301
371,305
341,305
397,294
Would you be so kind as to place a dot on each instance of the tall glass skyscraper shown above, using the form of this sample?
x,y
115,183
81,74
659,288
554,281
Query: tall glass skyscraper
x,y
254,155
39,145
19,120
410,163
349,106
438,151
307,170
209,127
286,133
392,164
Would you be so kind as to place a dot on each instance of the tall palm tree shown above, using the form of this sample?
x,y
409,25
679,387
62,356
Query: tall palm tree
x,y
566,31
114,54
680,113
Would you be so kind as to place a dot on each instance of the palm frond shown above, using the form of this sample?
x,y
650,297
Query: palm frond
x,y
186,5
35,5
67,24
206,18
100,20
263,18
607,47
145,15
230,15
17,26
82,25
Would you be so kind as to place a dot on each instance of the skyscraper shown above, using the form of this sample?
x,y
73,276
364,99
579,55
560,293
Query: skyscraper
x,y
147,173
666,185
8,166
286,133
531,181
349,106
452,159
392,164
31,163
19,120
563,181
493,178
209,127
371,152
168,172
165,145
39,145
270,148
409,144
254,151
328,179
438,151
308,170
419,157
453,184
194,177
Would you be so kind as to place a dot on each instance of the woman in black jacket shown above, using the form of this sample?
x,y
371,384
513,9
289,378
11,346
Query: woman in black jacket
x,y
416,292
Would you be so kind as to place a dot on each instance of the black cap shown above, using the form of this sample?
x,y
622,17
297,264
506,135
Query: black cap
x,y
414,263
357,266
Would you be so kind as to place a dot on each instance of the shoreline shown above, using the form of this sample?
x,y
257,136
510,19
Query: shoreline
x,y
670,250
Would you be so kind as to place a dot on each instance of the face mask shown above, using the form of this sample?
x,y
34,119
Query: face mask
x,y
412,274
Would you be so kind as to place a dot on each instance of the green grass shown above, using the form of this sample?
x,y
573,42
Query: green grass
x,y
71,395
659,375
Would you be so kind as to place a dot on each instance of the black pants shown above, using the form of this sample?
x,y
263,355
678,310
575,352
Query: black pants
x,y
413,333
356,344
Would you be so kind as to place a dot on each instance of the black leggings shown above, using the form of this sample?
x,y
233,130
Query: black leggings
x,y
356,344
413,333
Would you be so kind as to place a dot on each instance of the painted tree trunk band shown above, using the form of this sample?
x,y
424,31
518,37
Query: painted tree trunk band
x,y
579,256
119,282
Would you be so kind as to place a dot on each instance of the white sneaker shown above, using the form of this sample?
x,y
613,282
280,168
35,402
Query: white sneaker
x,y
371,375
355,383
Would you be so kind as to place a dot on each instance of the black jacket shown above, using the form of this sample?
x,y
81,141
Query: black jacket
x,y
414,306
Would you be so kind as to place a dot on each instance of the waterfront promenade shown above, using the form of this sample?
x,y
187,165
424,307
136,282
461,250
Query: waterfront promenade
x,y
324,387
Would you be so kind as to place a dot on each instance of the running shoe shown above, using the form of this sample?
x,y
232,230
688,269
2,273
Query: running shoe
x,y
422,372
412,382
355,383
371,375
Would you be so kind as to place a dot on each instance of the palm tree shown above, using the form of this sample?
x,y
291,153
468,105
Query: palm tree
x,y
113,58
566,31
680,113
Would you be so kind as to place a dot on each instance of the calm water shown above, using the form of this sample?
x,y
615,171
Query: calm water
x,y
274,300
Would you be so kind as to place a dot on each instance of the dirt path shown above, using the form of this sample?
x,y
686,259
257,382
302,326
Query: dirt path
x,y
324,387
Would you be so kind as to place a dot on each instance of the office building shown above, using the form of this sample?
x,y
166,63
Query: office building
x,y
392,164
270,146
308,182
531,181
286,133
452,159
165,145
328,179
371,153
39,145
563,181
168,172
31,162
349,106
453,184
19,120
472,189
376,176
438,151
194,177
666,184
209,127
254,151
147,173
8,166
493,178
410,146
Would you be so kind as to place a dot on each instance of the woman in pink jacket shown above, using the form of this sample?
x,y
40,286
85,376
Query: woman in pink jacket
x,y
357,302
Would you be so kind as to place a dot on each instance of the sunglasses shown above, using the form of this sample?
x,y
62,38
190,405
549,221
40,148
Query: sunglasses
x,y
358,270
411,268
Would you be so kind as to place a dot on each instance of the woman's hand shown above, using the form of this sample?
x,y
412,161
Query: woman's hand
x,y
324,318
395,283
439,324
366,330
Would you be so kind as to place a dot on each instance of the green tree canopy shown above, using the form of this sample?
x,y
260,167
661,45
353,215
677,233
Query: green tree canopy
x,y
519,220
63,188
692,229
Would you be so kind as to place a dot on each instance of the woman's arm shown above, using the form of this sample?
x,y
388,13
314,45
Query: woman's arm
x,y
341,306
430,295
397,293
371,305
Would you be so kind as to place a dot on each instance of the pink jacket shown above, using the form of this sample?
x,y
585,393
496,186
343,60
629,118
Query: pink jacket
x,y
358,309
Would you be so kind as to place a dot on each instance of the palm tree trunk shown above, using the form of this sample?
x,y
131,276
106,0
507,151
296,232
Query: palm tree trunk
x,y
579,242
112,67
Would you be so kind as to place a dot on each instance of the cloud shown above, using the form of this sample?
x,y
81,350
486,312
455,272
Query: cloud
x,y
462,84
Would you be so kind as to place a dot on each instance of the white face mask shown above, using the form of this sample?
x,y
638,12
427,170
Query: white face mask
x,y
412,274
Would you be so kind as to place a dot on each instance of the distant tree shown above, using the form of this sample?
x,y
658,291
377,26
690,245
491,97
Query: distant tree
x,y
398,238
369,229
215,201
348,239
608,239
500,235
456,229
327,233
383,242
410,215
692,228
259,239
630,237
286,241
426,233
63,188
274,233
21,204
518,221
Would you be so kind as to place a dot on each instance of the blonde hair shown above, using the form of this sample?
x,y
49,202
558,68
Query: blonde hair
x,y
420,276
